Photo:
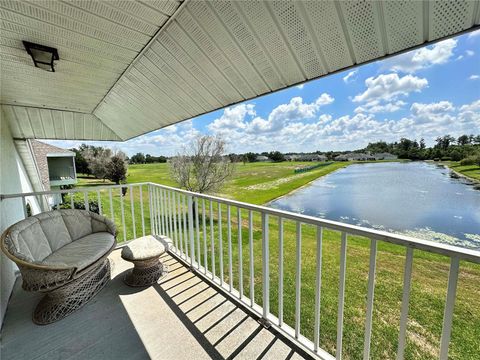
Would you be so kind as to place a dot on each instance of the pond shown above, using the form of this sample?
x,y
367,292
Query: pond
x,y
416,198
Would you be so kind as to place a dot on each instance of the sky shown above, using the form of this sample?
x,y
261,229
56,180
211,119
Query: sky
x,y
424,93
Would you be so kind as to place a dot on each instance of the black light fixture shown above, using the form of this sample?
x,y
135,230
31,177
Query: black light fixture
x,y
42,56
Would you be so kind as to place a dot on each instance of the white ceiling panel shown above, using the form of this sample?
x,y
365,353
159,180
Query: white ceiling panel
x,y
31,122
136,66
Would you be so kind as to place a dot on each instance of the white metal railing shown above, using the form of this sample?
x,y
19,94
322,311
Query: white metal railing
x,y
199,224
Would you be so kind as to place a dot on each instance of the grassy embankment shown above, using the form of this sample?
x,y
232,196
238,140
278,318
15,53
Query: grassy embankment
x,y
261,182
470,171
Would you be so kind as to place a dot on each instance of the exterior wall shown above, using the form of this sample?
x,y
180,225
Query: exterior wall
x,y
13,179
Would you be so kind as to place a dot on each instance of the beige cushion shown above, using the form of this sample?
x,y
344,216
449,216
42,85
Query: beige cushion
x,y
143,248
78,222
54,229
27,240
81,252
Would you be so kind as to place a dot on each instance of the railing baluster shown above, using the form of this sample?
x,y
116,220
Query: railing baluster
x,y
280,271
123,215
229,238
99,200
155,211
318,289
407,277
298,279
111,204
174,214
240,254
370,297
341,295
72,200
161,213
141,210
212,239
220,242
161,209
168,200
150,208
204,238
180,231
85,200
185,231
265,267
132,208
197,228
252,267
191,230
449,305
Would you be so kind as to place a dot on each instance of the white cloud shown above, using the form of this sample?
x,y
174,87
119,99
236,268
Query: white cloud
x,y
474,77
300,86
233,117
375,106
474,34
390,86
470,52
350,76
295,110
425,57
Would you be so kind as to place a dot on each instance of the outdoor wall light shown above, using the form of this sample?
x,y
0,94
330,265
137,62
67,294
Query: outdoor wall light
x,y
42,56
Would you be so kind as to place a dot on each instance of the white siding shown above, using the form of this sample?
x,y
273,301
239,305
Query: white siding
x,y
13,179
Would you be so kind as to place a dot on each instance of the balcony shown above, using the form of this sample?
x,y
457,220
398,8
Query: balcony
x,y
249,281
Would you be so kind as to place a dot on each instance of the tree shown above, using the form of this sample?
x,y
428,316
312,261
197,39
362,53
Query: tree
x,y
117,168
138,158
463,140
276,156
202,167
250,156
97,159
81,164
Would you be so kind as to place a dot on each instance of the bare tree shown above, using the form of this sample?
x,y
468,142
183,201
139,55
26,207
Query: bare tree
x,y
202,167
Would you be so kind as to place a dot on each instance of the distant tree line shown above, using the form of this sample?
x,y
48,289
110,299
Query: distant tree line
x,y
446,148
140,158
101,162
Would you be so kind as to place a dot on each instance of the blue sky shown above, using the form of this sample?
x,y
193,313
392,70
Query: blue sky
x,y
425,93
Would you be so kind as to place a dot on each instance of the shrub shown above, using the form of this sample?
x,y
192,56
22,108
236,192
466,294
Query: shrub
x,y
471,160
446,158
92,205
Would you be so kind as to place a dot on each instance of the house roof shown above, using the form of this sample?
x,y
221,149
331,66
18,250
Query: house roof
x,y
127,68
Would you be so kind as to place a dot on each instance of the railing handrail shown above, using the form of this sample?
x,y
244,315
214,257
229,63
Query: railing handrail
x,y
398,239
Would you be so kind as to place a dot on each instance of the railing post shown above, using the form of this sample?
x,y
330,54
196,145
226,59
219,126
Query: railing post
x,y
265,268
150,211
341,295
449,305
190,229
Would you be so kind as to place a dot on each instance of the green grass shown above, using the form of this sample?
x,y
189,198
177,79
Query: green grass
x,y
261,182
471,171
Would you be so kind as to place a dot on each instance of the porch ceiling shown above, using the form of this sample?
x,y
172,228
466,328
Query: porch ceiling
x,y
127,68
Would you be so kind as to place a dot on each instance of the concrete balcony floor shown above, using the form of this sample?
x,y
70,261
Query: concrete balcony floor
x,y
182,317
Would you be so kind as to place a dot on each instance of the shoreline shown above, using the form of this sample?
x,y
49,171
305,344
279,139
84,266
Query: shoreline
x,y
306,184
471,180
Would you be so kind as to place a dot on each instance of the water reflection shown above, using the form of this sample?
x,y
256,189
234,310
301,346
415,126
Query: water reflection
x,y
418,198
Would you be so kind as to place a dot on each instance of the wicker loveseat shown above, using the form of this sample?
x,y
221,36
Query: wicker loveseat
x,y
62,253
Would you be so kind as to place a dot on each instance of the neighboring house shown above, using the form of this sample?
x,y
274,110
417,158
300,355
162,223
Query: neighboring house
x,y
385,156
262,158
305,157
56,167
355,157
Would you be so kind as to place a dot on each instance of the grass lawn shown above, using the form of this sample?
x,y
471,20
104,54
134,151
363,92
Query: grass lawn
x,y
471,171
259,183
